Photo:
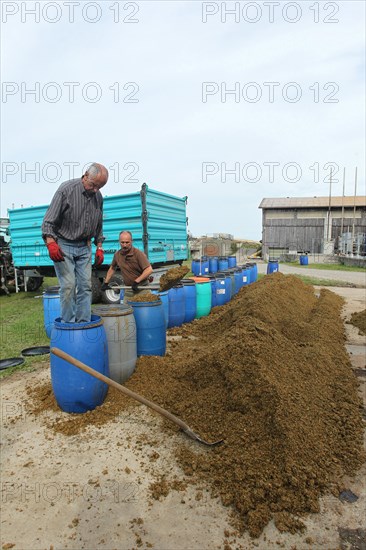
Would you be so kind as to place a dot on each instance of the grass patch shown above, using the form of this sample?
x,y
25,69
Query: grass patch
x,y
21,317
315,281
328,267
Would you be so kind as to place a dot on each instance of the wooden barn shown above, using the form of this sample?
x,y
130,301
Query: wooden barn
x,y
313,225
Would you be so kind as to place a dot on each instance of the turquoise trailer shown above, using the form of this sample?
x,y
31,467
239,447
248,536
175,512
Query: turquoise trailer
x,y
157,221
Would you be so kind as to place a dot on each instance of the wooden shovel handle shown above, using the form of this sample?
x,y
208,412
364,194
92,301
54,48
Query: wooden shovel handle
x,y
123,389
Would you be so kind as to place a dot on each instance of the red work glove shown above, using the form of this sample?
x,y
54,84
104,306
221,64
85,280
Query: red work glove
x,y
55,252
99,257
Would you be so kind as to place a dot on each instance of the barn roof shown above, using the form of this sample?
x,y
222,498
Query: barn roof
x,y
313,202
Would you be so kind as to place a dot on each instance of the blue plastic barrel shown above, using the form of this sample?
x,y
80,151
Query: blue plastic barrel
x,y
245,275
223,263
51,307
150,327
255,267
220,290
195,268
190,300
213,263
253,272
228,286
232,261
272,267
304,260
76,391
232,277
176,306
205,266
238,279
213,289
165,301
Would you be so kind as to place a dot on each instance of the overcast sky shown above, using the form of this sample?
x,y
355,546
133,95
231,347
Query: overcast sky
x,y
226,103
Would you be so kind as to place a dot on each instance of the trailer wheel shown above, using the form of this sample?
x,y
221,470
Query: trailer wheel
x,y
110,296
34,283
96,292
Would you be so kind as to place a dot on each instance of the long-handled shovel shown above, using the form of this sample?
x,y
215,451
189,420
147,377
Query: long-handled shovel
x,y
187,430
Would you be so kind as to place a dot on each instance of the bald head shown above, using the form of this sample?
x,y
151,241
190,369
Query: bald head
x,y
95,177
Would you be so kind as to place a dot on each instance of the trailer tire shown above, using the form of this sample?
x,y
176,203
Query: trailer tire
x,y
96,292
109,296
34,283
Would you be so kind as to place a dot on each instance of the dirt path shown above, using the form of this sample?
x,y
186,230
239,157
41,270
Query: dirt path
x,y
91,490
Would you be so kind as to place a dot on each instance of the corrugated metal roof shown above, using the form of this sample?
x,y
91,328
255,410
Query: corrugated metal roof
x,y
313,202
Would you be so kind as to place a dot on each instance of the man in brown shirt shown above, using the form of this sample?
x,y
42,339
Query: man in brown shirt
x,y
134,265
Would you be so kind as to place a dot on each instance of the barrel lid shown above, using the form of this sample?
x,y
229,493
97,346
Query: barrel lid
x,y
187,282
222,257
52,290
200,279
36,350
113,310
11,362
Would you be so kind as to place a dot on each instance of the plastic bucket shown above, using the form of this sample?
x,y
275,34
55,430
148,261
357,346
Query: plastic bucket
x,y
120,327
150,327
176,306
232,261
190,300
272,267
51,307
203,292
213,263
76,391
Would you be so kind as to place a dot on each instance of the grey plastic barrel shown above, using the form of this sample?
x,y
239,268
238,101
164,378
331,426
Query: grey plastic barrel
x,y
120,328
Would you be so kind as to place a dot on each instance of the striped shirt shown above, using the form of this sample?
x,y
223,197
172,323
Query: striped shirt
x,y
74,214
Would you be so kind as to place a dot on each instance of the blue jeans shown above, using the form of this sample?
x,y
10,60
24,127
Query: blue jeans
x,y
74,276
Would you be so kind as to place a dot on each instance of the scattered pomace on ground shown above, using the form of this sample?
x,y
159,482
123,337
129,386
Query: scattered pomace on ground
x,y
269,373
359,321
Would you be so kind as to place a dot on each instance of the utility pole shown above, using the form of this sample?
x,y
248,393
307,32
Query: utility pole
x,y
329,229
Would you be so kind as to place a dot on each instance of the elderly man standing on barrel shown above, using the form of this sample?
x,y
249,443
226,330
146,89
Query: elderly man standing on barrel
x,y
133,263
72,221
